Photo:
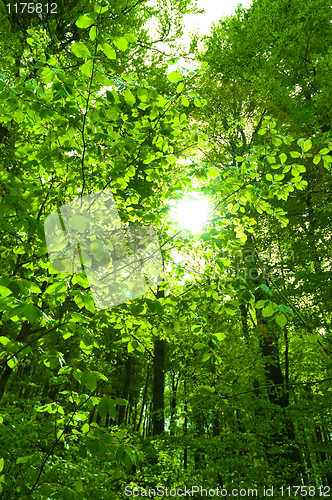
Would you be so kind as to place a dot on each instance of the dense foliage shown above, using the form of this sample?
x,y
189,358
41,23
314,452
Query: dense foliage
x,y
220,376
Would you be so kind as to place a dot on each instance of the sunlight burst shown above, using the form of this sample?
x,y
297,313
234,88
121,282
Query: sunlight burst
x,y
191,213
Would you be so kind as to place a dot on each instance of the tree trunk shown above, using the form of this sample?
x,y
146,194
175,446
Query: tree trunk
x,y
143,402
158,387
126,387
158,381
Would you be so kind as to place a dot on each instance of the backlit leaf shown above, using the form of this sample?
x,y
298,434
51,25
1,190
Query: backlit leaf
x,y
89,380
84,21
281,319
129,97
120,43
109,51
175,77
213,172
80,50
87,68
4,291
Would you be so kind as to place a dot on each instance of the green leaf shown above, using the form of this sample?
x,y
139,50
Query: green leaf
x,y
103,407
295,154
199,345
184,101
260,304
284,309
82,451
93,33
98,250
32,287
86,259
32,313
324,151
111,408
220,336
281,319
230,311
180,87
121,402
23,460
89,303
307,145
79,223
120,43
2,463
295,171
16,311
87,68
81,280
266,289
206,388
78,485
213,172
283,158
12,363
129,97
172,60
89,380
84,21
130,37
268,310
80,50
109,51
175,77
159,308
19,116
4,291
130,347
100,9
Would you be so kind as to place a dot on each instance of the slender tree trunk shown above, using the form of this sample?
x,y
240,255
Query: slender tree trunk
x,y
24,333
173,402
158,382
185,451
158,387
126,387
277,393
143,402
150,427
